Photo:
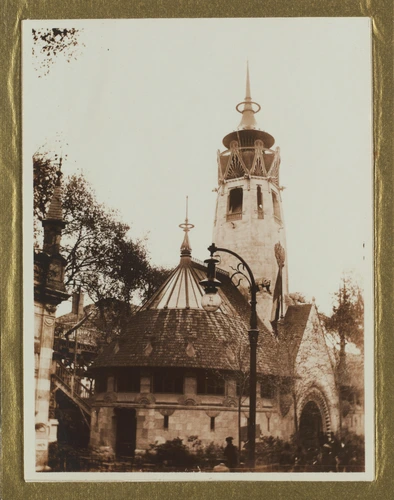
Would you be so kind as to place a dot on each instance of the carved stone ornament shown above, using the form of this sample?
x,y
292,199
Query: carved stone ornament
x,y
212,413
48,320
285,402
166,412
110,397
280,254
189,401
51,308
229,402
145,398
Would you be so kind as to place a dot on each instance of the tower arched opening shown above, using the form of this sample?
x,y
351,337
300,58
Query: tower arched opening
x,y
311,425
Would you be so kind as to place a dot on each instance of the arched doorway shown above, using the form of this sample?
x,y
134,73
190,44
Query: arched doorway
x,y
311,425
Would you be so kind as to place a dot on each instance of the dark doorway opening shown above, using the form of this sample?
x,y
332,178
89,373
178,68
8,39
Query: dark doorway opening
x,y
311,425
126,427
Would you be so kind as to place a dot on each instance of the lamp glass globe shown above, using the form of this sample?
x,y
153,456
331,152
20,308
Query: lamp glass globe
x,y
211,302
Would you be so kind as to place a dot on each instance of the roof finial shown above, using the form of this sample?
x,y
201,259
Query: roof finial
x,y
185,247
248,96
248,120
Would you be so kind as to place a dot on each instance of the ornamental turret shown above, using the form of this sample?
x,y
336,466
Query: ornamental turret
x,y
249,214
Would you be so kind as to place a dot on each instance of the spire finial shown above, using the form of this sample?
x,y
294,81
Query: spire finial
x,y
248,120
185,247
248,96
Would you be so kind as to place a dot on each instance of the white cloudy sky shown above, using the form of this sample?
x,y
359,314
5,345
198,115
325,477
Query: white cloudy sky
x,y
143,110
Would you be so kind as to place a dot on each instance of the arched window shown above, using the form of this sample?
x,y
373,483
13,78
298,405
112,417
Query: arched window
x,y
235,201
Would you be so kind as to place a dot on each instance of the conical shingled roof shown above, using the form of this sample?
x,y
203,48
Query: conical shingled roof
x,y
173,330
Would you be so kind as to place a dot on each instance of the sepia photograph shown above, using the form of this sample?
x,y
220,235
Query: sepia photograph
x,y
198,250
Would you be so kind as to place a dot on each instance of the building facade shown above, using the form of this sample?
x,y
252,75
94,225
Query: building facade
x,y
180,371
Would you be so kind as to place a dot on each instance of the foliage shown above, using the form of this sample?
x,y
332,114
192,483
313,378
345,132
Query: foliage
x,y
154,277
355,449
347,319
273,450
101,258
174,453
63,457
49,42
206,456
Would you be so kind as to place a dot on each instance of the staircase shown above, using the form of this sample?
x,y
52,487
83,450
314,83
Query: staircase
x,y
73,388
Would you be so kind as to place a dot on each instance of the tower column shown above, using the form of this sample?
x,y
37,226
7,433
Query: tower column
x,y
49,292
249,214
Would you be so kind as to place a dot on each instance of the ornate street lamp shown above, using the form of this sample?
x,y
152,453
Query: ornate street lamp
x,y
211,302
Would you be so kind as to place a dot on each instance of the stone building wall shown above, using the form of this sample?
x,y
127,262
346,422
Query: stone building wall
x,y
316,381
183,420
46,427
253,236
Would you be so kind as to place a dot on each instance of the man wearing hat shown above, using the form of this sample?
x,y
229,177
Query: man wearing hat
x,y
231,454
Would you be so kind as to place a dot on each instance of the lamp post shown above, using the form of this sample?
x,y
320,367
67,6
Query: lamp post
x,y
211,302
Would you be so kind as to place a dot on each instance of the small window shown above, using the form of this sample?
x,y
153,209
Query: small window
x,y
100,383
235,200
275,202
260,212
209,383
128,380
212,423
268,388
168,381
166,421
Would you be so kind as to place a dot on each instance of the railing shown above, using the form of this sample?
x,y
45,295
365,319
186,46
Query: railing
x,y
75,386
234,216
218,269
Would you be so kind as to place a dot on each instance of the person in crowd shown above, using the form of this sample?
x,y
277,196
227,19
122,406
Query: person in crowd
x,y
231,453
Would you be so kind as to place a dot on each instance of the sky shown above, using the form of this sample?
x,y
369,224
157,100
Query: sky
x,y
144,107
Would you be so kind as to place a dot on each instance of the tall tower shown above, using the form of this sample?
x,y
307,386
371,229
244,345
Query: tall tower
x,y
49,292
249,214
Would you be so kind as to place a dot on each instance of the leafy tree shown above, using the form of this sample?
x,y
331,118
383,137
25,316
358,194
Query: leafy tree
x,y
347,318
101,258
48,43
345,325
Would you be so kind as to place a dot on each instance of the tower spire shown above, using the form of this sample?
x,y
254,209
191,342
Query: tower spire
x,y
55,207
186,250
248,120
248,95
54,223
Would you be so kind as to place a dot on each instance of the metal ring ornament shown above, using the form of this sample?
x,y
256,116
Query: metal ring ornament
x,y
248,102
186,226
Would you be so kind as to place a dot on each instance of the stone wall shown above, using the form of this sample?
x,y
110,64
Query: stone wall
x,y
253,237
316,381
44,327
184,422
